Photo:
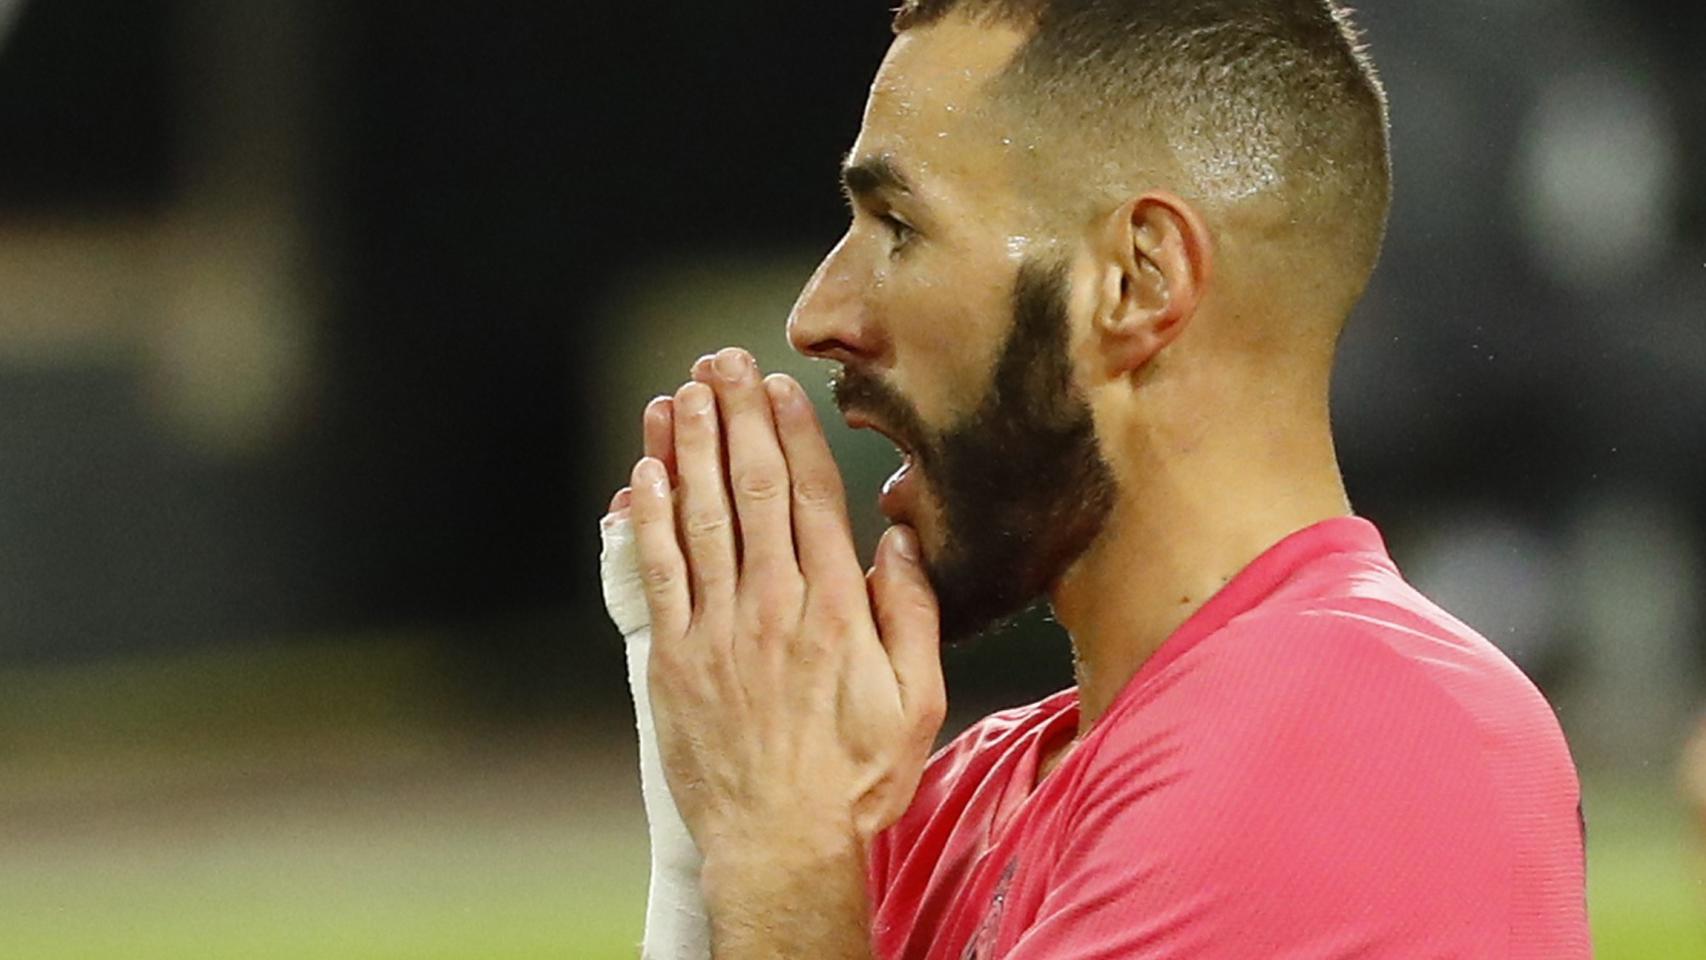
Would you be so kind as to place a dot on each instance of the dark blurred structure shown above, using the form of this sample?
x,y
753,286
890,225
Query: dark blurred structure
x,y
306,312
459,182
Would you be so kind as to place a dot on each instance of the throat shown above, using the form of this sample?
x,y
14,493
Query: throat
x,y
1057,742
1052,757
1153,569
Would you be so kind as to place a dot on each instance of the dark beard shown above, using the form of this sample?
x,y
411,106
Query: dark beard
x,y
1022,483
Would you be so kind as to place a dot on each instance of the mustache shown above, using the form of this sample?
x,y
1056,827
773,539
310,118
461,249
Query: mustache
x,y
854,389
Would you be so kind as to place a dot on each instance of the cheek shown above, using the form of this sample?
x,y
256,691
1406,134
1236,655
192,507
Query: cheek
x,y
945,338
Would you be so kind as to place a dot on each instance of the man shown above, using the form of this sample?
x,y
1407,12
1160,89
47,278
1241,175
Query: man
x,y
1099,258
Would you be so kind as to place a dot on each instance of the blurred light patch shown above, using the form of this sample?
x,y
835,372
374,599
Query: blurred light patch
x,y
8,12
231,367
74,292
1637,570
1598,177
1499,576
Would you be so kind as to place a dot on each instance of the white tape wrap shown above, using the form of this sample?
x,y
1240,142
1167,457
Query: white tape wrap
x,y
676,928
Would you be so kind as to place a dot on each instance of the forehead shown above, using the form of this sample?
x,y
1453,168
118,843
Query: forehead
x,y
928,110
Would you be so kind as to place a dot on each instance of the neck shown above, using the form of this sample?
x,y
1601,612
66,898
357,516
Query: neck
x,y
1195,520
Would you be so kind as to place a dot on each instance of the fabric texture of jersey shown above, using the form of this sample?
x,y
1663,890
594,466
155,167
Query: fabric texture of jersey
x,y
1320,763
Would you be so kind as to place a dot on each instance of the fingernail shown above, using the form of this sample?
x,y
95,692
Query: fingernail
x,y
623,499
732,364
783,391
650,474
695,398
659,413
904,543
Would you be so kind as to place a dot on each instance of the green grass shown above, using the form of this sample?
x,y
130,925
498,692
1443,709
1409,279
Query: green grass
x,y
133,828
506,859
308,801
1646,874
448,870
476,895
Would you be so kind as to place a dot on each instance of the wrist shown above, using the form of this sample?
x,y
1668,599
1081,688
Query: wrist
x,y
788,894
780,865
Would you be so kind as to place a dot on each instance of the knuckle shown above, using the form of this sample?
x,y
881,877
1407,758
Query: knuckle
x,y
666,665
837,621
769,595
773,624
649,519
817,491
759,485
657,575
705,524
932,713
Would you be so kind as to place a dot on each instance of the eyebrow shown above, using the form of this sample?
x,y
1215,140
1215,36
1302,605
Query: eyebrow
x,y
873,175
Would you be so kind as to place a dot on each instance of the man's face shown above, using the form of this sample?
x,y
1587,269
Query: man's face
x,y
953,329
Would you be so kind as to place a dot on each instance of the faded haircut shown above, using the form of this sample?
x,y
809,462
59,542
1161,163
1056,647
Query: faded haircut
x,y
1274,99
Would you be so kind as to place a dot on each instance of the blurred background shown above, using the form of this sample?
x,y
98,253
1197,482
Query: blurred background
x,y
324,333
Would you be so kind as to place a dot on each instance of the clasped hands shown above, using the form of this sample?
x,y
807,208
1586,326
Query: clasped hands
x,y
796,695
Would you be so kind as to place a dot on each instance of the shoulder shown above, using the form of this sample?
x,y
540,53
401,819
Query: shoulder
x,y
1344,763
970,758
1365,715
977,746
1282,782
1367,650
1003,725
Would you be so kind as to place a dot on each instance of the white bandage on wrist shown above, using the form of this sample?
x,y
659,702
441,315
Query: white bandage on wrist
x,y
676,927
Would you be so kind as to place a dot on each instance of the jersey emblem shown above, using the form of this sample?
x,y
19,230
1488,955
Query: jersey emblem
x,y
982,945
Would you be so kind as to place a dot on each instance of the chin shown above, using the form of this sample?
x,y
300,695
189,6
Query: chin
x,y
916,507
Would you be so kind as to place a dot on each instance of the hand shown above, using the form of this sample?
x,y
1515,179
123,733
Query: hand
x,y
796,697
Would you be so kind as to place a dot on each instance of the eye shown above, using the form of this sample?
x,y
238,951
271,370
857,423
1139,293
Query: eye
x,y
899,230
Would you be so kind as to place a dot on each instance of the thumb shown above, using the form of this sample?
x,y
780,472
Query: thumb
x,y
909,624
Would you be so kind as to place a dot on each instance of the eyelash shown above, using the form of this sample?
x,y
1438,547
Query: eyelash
x,y
900,230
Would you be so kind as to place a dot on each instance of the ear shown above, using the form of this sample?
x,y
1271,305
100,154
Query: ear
x,y
1155,255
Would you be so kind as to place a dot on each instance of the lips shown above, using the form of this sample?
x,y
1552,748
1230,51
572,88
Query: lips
x,y
859,421
897,499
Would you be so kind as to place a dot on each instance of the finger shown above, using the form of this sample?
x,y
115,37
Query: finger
x,y
623,500
658,427
822,535
663,570
910,627
757,473
707,523
702,368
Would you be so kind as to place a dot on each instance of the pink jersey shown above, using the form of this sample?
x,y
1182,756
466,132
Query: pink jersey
x,y
1319,764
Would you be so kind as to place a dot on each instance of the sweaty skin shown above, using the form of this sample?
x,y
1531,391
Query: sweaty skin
x,y
797,697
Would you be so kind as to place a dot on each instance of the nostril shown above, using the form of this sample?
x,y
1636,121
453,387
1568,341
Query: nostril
x,y
831,348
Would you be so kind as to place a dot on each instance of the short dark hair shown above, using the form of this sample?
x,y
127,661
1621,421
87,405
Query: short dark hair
x,y
1244,94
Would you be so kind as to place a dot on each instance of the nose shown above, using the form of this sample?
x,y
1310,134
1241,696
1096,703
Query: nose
x,y
831,320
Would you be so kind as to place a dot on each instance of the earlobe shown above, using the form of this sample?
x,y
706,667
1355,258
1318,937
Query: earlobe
x,y
1155,253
